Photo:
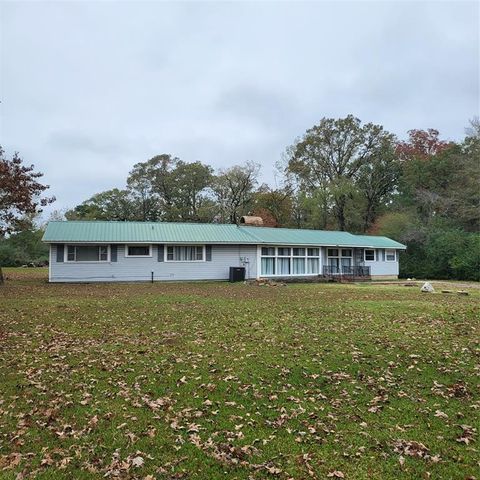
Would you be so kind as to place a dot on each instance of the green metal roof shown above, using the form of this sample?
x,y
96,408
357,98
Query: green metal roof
x,y
378,242
135,232
292,236
163,232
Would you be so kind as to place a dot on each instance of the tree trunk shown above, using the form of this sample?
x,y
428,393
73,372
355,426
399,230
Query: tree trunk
x,y
370,212
369,217
1,276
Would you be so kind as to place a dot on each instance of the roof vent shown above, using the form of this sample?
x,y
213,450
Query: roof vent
x,y
252,221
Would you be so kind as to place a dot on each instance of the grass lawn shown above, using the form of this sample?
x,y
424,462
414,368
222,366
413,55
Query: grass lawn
x,y
231,381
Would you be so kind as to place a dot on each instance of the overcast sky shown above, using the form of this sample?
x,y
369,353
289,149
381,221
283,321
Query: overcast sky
x,y
88,89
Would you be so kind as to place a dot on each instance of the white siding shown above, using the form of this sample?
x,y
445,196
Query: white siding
x,y
382,267
379,267
131,269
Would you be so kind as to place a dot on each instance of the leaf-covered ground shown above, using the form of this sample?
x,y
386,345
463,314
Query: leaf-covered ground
x,y
232,381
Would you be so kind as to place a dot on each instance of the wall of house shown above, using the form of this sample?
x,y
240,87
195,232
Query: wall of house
x,y
130,269
379,268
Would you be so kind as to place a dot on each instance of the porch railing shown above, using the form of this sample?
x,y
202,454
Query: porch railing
x,y
347,271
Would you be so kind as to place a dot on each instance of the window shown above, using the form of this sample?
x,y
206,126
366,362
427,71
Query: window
x,y
339,260
283,266
138,251
390,255
268,266
346,261
185,253
87,253
298,266
283,261
369,255
313,265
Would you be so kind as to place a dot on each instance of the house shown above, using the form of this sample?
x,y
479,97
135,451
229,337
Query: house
x,y
95,251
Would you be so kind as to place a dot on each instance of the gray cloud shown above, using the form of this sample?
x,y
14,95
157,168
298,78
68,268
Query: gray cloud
x,y
68,140
90,88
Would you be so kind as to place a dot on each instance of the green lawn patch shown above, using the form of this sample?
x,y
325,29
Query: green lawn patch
x,y
233,381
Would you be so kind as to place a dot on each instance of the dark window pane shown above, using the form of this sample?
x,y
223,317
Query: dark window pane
x,y
334,262
71,253
86,254
138,250
104,253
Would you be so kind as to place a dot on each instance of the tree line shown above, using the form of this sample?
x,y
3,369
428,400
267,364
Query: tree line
x,y
341,174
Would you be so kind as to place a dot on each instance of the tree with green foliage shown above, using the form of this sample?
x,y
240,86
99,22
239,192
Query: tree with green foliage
x,y
377,181
330,155
112,204
234,190
24,248
152,184
167,188
273,205
191,201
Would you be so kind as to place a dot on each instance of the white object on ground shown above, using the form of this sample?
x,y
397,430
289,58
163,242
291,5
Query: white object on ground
x,y
427,287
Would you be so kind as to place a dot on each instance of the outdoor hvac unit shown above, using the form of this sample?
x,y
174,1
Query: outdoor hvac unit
x,y
237,274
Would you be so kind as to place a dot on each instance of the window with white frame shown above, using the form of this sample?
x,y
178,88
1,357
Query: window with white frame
x,y
268,261
369,255
390,255
286,261
283,261
298,261
313,260
138,251
339,258
185,253
87,253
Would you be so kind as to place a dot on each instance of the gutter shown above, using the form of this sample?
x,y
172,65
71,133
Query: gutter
x,y
256,242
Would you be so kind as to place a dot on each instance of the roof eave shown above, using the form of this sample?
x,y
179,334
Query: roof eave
x,y
258,242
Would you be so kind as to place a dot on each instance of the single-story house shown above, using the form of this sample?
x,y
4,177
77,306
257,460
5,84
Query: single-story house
x,y
97,251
